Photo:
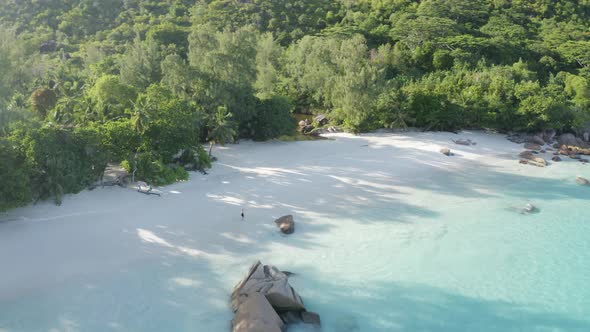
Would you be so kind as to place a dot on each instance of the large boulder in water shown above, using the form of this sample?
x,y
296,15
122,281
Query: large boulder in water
x,y
286,224
265,295
255,314
273,284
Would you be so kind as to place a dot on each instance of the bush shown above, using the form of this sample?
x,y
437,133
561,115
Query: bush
x,y
273,118
119,139
156,173
15,189
63,160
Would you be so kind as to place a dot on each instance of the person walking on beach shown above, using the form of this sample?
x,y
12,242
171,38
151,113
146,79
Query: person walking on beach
x,y
242,214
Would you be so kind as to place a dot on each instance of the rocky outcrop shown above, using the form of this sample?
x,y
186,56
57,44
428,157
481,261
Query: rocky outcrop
x,y
305,126
321,120
578,150
266,286
255,314
532,146
572,141
286,224
567,139
548,135
518,138
538,140
446,151
531,159
329,130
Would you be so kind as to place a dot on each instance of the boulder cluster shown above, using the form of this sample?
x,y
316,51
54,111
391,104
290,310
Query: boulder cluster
x,y
264,301
317,127
565,145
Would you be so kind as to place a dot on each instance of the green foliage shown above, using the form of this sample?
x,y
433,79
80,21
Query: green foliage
x,y
119,139
111,97
221,127
273,118
140,65
155,172
15,189
42,101
62,161
148,82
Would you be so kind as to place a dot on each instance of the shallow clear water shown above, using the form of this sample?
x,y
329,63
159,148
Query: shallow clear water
x,y
374,250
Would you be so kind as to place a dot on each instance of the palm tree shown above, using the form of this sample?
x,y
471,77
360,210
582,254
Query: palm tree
x,y
140,117
140,120
221,128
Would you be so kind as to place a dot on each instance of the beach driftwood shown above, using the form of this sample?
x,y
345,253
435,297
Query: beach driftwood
x,y
145,188
463,141
265,295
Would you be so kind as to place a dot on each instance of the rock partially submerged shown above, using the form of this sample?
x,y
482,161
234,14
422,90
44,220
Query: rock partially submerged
x,y
526,209
529,208
256,314
286,224
265,295
531,159
583,181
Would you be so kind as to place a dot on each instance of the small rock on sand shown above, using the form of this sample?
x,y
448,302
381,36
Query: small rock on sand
x,y
446,151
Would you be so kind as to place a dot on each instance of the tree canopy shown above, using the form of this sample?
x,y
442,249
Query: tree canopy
x,y
147,83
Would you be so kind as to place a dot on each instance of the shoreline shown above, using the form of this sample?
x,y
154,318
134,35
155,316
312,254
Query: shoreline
x,y
194,229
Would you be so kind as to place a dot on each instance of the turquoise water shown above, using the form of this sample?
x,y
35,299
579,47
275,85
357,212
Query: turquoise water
x,y
378,246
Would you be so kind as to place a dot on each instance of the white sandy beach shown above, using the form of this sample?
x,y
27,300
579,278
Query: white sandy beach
x,y
114,259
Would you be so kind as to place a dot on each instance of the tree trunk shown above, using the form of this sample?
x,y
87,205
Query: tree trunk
x,y
210,148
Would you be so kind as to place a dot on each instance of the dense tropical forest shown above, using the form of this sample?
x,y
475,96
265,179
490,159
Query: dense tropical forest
x,y
149,83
